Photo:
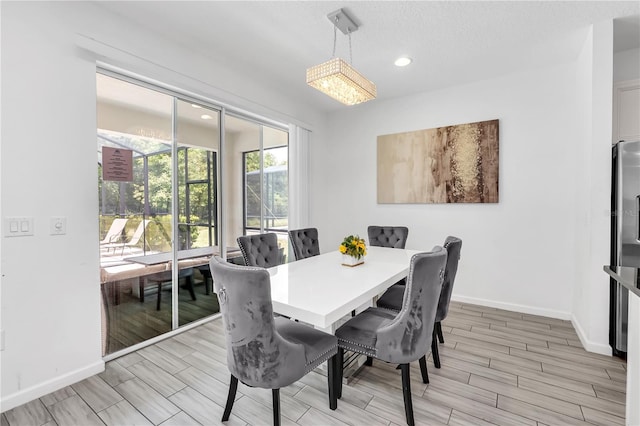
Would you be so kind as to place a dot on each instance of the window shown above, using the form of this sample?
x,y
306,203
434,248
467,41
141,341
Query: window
x,y
274,196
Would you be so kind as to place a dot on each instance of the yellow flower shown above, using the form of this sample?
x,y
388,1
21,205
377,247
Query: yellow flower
x,y
354,246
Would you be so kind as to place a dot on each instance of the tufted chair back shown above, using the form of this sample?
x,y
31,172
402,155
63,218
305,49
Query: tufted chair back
x,y
256,353
388,236
408,336
404,336
260,250
453,246
304,242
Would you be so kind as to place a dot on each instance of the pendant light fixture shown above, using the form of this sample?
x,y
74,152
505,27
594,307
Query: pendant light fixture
x,y
336,77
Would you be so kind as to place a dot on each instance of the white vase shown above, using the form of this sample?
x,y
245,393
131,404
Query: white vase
x,y
351,261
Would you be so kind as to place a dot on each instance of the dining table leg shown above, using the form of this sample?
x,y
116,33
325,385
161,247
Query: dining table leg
x,y
352,362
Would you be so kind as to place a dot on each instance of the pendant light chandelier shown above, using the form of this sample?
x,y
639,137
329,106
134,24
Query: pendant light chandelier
x,y
336,77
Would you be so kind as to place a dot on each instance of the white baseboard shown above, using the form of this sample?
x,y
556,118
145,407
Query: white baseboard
x,y
41,389
599,348
525,309
587,344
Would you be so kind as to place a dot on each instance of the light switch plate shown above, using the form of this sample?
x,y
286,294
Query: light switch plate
x,y
19,226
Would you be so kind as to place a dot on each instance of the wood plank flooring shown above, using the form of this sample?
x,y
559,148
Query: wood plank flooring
x,y
132,321
498,368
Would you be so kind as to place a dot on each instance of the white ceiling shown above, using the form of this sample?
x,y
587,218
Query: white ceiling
x,y
451,42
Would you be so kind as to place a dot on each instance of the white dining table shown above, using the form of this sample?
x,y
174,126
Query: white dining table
x,y
320,291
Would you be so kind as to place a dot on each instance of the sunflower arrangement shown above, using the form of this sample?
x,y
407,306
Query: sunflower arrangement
x,y
353,246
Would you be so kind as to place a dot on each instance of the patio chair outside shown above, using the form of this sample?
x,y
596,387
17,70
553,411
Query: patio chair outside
x,y
140,230
133,242
114,234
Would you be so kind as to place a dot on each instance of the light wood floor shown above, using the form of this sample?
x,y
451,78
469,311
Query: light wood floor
x,y
498,367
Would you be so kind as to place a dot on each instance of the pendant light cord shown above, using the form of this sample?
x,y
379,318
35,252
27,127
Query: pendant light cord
x,y
350,51
335,30
335,36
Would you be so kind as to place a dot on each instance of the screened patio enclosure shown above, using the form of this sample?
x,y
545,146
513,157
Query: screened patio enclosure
x,y
148,195
274,199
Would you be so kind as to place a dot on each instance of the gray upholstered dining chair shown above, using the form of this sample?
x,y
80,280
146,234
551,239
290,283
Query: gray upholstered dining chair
x,y
164,277
388,236
304,242
260,250
263,351
454,247
392,298
399,337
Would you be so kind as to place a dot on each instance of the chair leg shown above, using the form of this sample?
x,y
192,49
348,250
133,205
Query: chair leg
x,y
159,296
192,292
423,369
434,349
276,406
331,378
340,370
369,361
233,387
406,393
439,330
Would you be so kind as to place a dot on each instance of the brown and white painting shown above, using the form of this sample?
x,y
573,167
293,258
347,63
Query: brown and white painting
x,y
453,164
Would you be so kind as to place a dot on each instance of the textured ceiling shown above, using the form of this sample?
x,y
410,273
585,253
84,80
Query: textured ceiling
x,y
451,42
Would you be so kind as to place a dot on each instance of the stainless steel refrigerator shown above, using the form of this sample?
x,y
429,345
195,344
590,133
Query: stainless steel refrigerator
x,y
625,235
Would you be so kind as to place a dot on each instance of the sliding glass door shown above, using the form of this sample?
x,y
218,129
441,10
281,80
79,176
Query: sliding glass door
x,y
157,180
163,169
256,179
198,145
135,156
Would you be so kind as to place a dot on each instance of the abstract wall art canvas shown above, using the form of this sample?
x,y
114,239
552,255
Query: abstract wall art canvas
x,y
453,164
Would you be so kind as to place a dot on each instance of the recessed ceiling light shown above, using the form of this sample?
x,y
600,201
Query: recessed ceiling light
x,y
403,61
206,117
196,106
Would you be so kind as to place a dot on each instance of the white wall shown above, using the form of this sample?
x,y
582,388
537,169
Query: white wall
x,y
51,310
1,216
1,226
592,197
50,285
541,249
517,254
581,193
595,324
626,65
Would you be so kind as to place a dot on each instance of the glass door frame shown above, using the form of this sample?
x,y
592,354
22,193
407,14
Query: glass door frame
x,y
222,109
